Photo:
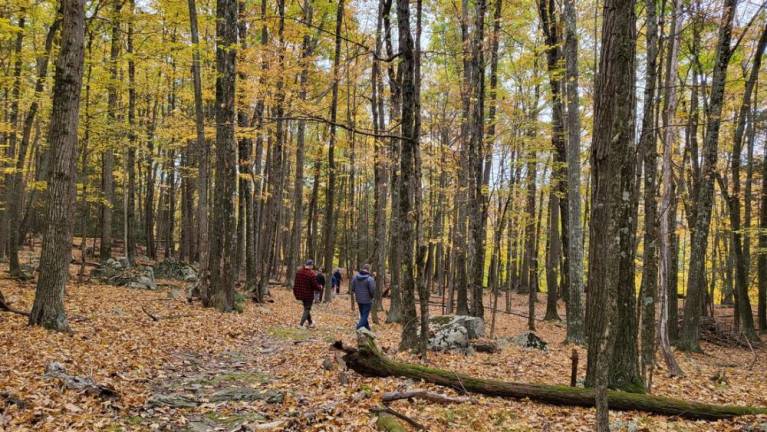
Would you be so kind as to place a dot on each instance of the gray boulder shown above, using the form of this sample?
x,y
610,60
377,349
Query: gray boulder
x,y
453,332
173,269
114,273
475,327
450,338
529,339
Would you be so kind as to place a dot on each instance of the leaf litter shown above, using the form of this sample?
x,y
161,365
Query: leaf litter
x,y
204,370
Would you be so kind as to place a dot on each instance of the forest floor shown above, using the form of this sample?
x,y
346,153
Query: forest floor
x,y
196,369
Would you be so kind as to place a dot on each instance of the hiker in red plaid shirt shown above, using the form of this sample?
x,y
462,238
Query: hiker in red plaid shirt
x,y
304,287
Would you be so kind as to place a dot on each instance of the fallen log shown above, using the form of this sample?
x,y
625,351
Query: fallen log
x,y
367,359
5,307
423,394
84,385
390,426
389,423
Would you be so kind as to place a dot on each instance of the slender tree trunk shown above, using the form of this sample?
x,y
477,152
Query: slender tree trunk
x,y
48,308
329,234
668,239
477,151
408,181
762,258
203,155
743,303
151,247
224,239
130,214
9,237
648,150
575,327
703,200
380,167
16,190
107,157
298,184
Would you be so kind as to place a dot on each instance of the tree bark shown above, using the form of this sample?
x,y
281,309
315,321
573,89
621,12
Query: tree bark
x,y
15,199
610,155
130,213
223,239
575,327
329,234
668,252
203,155
107,157
703,198
743,303
48,308
649,152
408,179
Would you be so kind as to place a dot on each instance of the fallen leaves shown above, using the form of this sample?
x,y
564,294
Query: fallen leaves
x,y
202,352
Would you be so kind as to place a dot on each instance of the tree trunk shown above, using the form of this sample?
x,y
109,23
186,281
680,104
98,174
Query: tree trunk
x,y
298,184
130,213
15,200
151,247
743,303
610,153
552,259
575,329
203,157
408,180
703,198
762,258
107,157
223,239
329,235
649,152
8,240
379,168
48,308
668,252
477,154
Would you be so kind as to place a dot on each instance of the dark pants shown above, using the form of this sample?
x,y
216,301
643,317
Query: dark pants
x,y
307,316
364,313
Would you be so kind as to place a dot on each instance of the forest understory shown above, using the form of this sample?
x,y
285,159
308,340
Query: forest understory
x,y
173,364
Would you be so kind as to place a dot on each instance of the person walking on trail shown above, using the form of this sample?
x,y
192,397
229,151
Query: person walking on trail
x,y
304,287
335,280
364,289
321,282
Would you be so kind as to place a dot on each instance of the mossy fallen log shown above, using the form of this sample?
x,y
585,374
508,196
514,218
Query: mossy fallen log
x,y
367,359
389,423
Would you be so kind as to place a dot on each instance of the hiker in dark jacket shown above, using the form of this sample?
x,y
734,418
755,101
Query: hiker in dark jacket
x,y
321,282
304,287
335,280
364,289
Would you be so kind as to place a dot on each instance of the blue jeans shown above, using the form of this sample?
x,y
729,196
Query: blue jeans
x,y
364,313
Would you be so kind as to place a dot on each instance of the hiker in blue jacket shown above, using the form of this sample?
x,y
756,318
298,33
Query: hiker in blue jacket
x,y
364,289
335,281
